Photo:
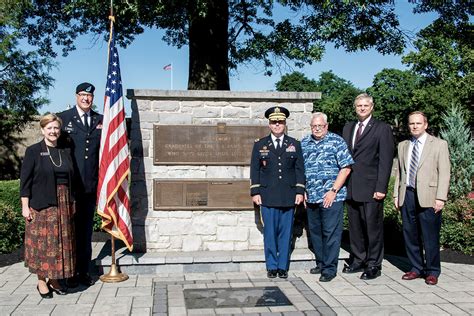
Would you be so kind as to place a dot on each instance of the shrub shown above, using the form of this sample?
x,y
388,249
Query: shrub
x,y
10,194
457,229
97,223
12,227
461,152
391,215
12,224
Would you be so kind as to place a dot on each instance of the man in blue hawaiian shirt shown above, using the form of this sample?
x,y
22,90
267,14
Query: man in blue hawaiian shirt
x,y
327,164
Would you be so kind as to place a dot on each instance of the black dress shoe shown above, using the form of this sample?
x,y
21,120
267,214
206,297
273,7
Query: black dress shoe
x,y
315,270
58,291
86,280
45,295
282,274
272,274
371,273
353,268
326,277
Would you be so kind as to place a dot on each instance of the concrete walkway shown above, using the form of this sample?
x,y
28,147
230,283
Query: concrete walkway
x,y
162,294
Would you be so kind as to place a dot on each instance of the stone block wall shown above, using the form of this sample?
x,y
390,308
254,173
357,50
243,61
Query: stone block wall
x,y
199,230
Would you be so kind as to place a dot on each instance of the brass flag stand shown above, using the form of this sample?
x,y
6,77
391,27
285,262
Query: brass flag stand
x,y
114,274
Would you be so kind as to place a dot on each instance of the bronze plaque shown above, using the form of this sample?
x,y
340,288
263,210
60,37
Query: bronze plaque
x,y
205,144
202,194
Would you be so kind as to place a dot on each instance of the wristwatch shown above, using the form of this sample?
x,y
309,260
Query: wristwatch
x,y
334,190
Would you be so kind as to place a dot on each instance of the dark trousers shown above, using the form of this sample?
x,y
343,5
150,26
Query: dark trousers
x,y
366,232
277,232
85,208
421,227
325,231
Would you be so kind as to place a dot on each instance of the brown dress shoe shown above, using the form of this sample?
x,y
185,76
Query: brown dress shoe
x,y
431,280
410,276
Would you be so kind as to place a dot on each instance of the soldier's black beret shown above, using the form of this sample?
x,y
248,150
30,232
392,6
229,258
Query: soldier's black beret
x,y
86,87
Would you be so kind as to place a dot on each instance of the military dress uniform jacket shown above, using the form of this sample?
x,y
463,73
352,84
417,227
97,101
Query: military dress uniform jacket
x,y
84,145
277,175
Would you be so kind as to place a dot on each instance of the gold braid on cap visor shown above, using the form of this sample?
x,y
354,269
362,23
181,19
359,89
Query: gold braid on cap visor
x,y
278,116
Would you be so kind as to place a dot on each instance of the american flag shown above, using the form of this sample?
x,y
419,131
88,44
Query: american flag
x,y
113,203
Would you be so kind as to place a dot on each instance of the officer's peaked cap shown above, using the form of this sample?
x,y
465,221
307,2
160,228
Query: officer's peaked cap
x,y
277,113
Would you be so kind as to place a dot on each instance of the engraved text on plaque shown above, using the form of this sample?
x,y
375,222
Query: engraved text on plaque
x,y
201,194
205,144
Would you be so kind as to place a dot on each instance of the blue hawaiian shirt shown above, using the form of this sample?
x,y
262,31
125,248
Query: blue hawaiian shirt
x,y
322,161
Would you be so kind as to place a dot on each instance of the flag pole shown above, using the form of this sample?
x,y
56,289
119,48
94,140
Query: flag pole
x,y
114,274
172,76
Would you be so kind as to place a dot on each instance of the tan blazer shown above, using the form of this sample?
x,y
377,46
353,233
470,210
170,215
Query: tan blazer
x,y
432,177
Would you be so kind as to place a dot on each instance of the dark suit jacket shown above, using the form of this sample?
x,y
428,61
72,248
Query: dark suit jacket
x,y
277,175
84,146
37,180
373,156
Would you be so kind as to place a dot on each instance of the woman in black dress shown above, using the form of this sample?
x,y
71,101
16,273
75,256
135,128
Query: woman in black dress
x,y
47,205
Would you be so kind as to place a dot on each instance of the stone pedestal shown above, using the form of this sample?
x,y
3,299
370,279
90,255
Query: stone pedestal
x,y
197,229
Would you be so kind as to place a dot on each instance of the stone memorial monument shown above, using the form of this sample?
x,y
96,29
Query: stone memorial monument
x,y
190,188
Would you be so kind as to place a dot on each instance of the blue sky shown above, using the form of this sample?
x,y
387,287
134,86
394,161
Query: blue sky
x,y
142,65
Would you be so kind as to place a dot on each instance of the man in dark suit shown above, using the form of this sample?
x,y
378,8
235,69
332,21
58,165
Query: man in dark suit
x,y
421,189
81,130
277,185
371,144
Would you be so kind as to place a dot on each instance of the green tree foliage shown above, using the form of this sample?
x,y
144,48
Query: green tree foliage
x,y
337,97
461,152
222,34
444,59
23,76
296,81
337,100
393,91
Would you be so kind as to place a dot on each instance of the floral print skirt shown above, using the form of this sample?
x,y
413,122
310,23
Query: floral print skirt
x,y
50,249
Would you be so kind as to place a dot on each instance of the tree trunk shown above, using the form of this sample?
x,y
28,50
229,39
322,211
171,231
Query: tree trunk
x,y
208,46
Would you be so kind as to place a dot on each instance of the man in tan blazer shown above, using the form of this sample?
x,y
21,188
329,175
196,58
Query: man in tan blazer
x,y
421,189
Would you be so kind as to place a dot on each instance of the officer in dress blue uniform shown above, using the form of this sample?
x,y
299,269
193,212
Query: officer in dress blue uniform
x,y
277,185
81,130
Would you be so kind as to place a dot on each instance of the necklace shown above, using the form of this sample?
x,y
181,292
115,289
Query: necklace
x,y
51,158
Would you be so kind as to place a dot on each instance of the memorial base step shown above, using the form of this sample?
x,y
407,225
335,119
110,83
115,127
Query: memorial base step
x,y
200,261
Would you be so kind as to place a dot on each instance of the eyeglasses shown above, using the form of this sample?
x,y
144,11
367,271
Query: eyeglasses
x,y
277,122
318,126
87,95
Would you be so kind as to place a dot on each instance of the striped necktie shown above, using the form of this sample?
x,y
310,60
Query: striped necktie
x,y
415,155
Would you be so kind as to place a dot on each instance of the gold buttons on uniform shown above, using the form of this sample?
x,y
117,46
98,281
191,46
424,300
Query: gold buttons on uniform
x,y
279,177
87,149
86,157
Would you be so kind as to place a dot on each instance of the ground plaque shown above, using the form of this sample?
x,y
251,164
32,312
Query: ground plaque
x,y
235,297
219,144
212,194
